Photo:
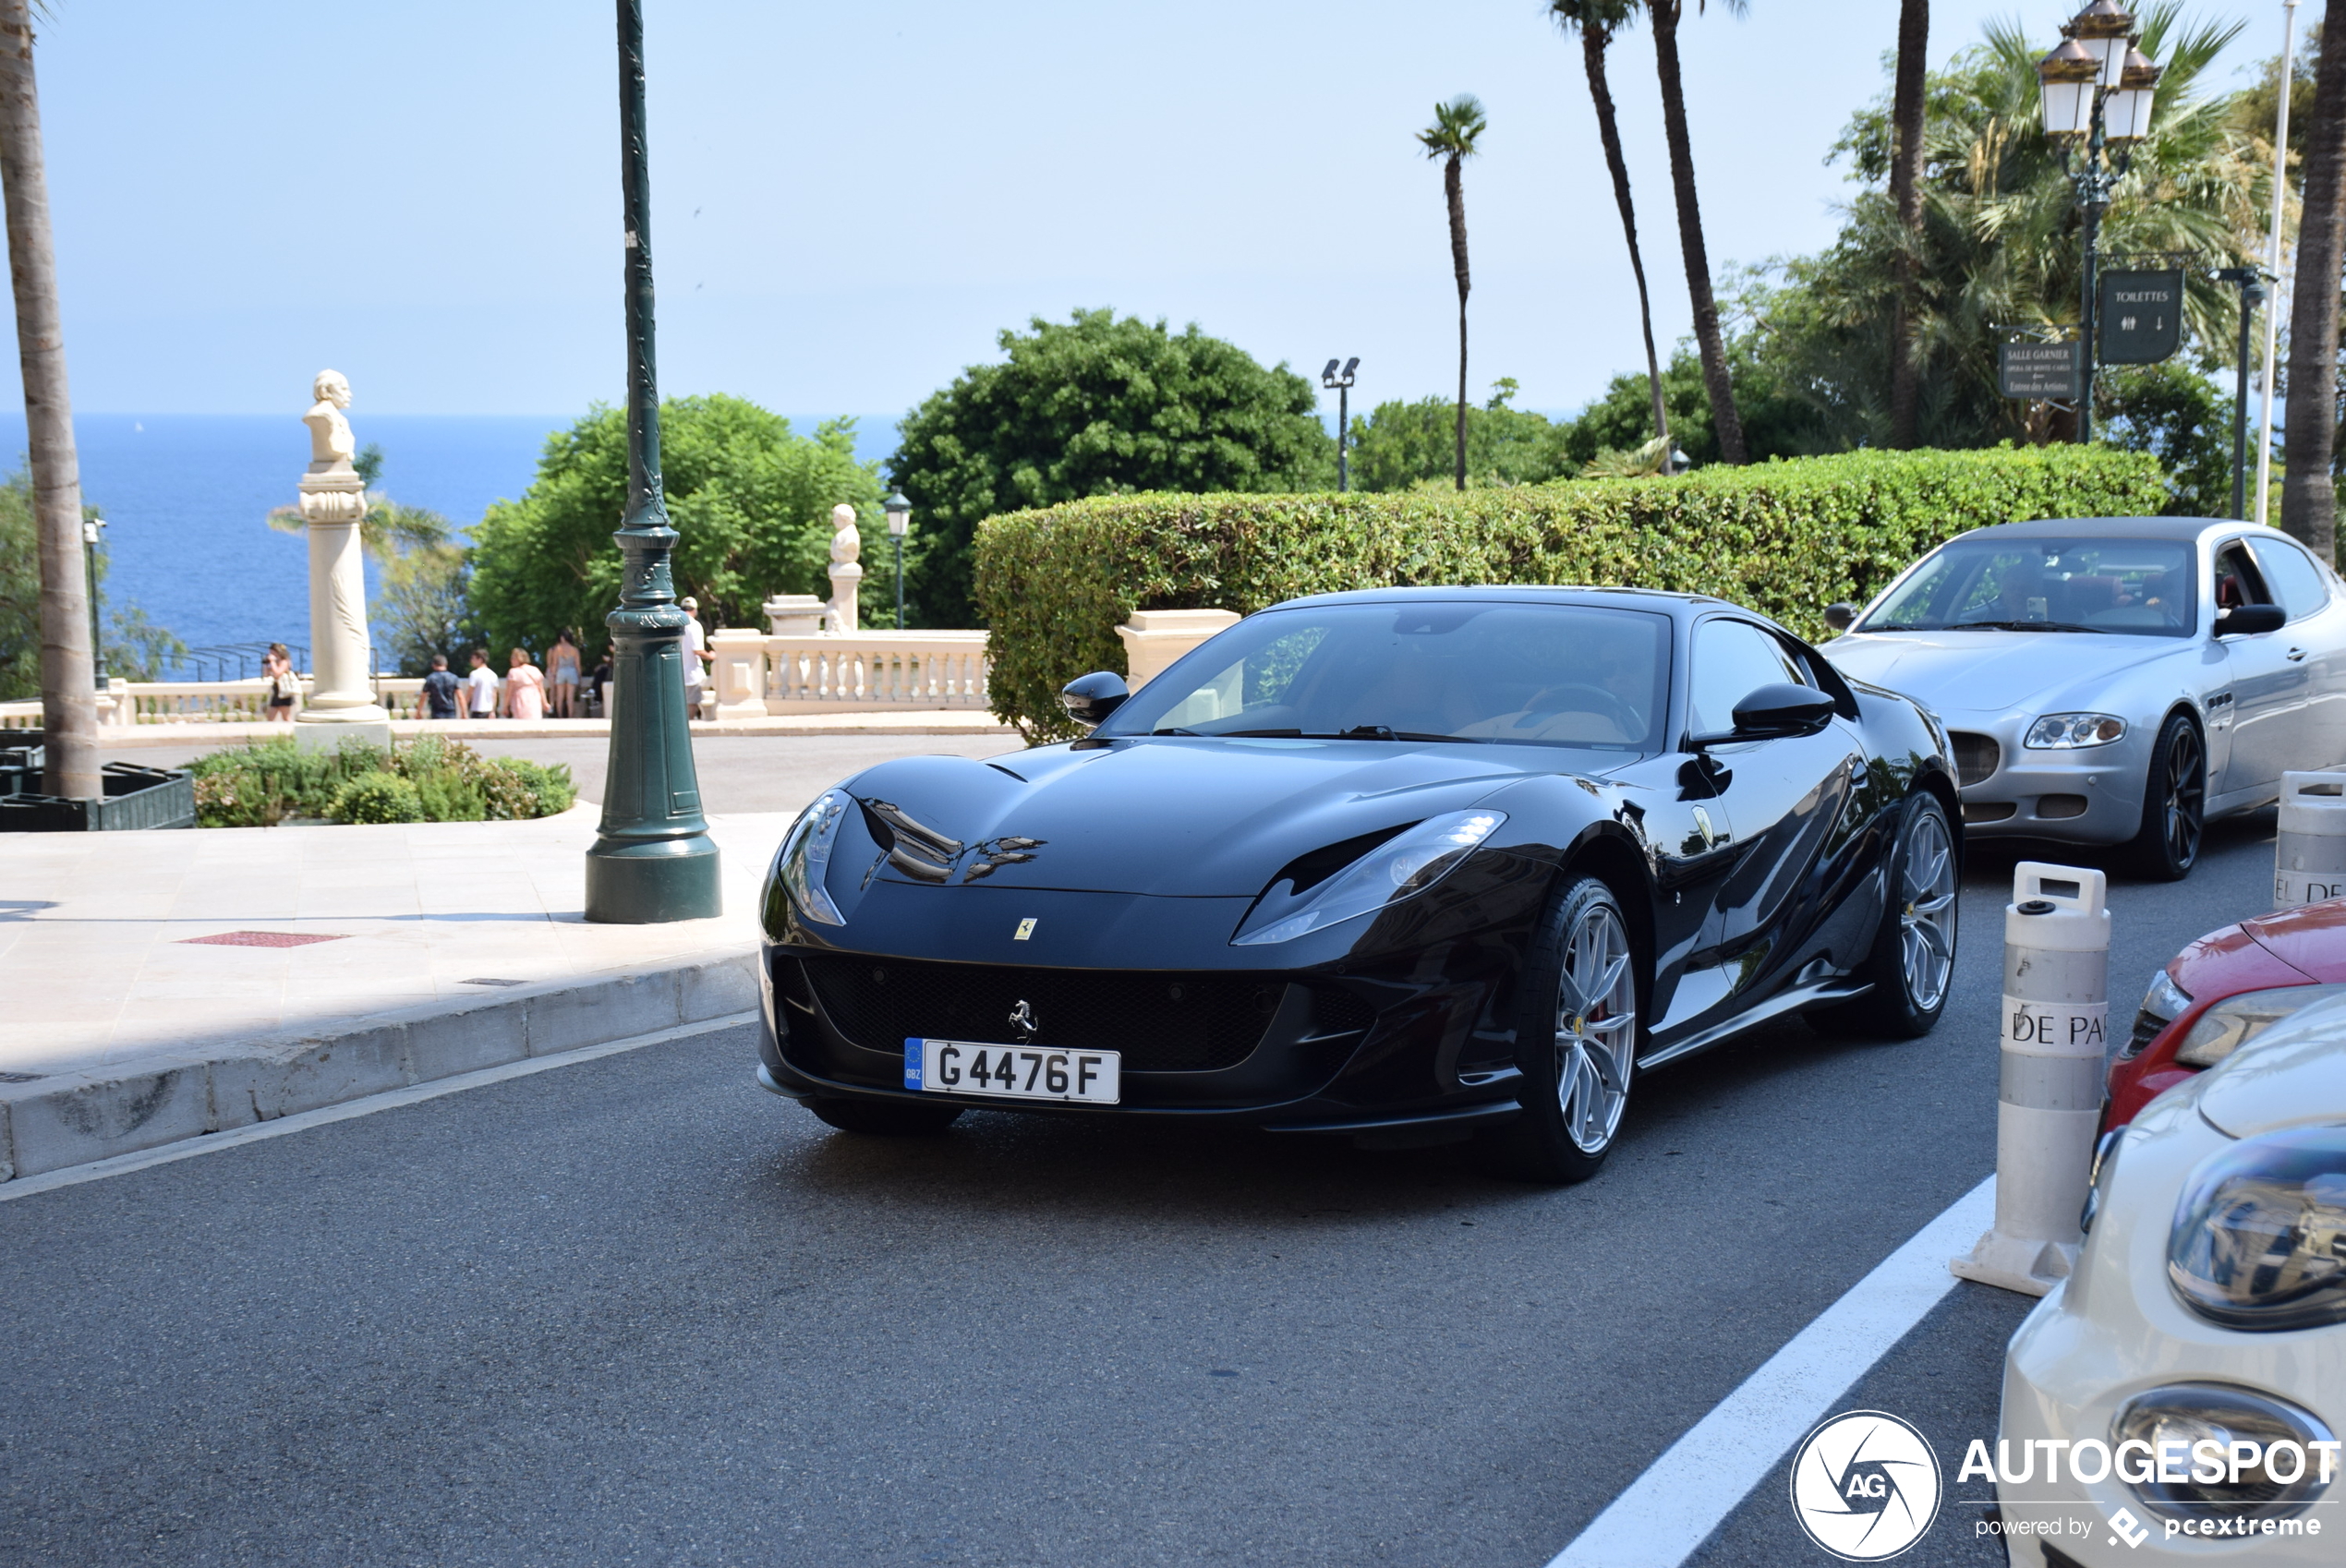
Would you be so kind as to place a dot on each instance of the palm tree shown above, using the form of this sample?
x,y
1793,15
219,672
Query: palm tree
x,y
1905,198
1451,137
1597,21
1723,418
2309,493
68,697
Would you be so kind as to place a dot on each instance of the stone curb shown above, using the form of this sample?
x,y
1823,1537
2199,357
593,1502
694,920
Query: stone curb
x,y
71,1119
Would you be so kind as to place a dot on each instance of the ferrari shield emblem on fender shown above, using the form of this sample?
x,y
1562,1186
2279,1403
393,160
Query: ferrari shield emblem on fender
x,y
1025,929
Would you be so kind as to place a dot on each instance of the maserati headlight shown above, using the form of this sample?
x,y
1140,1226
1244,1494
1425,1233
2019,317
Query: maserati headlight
x,y
807,855
2259,1240
1403,866
2066,732
2236,1021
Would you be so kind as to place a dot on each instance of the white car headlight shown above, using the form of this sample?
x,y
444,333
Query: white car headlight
x,y
2259,1239
2067,731
1402,867
807,855
2205,1451
2236,1021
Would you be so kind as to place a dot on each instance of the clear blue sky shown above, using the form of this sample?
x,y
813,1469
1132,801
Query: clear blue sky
x,y
851,200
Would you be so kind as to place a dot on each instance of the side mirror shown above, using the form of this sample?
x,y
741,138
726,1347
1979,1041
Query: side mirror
x,y
1091,699
2250,619
1839,617
1781,708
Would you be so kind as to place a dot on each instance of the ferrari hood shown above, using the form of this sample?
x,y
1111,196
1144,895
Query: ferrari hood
x,y
1192,817
1987,671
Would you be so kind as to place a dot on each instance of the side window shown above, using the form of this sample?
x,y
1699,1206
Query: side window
x,y
2293,576
1733,659
2238,582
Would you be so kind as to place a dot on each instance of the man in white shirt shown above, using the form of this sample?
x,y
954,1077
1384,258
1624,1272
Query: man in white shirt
x,y
695,657
482,686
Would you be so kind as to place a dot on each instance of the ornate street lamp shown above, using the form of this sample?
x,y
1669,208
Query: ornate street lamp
x,y
900,518
2097,89
652,858
1340,383
90,526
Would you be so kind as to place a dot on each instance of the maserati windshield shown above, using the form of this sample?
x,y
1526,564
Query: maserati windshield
x,y
2142,586
1565,675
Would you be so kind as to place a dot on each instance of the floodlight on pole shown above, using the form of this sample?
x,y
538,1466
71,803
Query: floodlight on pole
x,y
1340,383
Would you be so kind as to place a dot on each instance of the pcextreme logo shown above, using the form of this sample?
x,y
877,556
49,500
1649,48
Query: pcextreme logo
x,y
1865,1486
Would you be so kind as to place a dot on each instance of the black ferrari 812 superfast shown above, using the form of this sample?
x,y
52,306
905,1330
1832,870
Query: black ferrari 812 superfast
x,y
1410,866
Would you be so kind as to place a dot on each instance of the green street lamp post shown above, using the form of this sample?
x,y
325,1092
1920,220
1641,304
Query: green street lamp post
x,y
652,858
2097,89
90,526
900,518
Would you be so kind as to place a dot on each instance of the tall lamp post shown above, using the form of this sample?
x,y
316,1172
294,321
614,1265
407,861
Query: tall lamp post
x,y
2097,89
900,518
2251,294
90,526
1340,383
652,859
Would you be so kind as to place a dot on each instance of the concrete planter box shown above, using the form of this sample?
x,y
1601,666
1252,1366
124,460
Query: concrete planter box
x,y
136,797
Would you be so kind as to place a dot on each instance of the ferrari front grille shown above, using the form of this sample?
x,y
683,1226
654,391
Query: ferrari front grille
x,y
1162,1022
1977,757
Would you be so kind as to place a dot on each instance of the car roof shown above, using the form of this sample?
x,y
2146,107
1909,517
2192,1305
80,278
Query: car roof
x,y
1647,600
2180,528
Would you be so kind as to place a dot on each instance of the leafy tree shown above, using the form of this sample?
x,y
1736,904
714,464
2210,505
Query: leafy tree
x,y
424,608
1776,424
2176,414
1402,446
133,646
1597,21
1457,126
750,501
1726,422
1092,406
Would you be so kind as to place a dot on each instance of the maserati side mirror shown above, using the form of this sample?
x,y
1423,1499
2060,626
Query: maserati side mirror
x,y
2250,619
1839,617
1091,699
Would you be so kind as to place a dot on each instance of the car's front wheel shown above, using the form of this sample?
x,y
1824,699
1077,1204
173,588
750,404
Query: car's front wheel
x,y
2174,804
1913,961
1578,1038
886,1118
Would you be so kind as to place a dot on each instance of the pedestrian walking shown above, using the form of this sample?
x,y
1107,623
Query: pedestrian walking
x,y
524,688
283,684
562,675
600,683
440,696
697,658
482,683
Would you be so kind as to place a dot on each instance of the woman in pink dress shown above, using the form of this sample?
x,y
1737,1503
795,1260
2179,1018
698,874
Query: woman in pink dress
x,y
524,693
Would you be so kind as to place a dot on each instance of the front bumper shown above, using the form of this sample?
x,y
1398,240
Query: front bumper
x,y
2093,796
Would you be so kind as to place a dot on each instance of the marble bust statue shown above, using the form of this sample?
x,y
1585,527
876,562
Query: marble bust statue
x,y
846,541
331,446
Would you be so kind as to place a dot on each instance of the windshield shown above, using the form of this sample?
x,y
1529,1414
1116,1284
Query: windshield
x,y
2143,586
1560,675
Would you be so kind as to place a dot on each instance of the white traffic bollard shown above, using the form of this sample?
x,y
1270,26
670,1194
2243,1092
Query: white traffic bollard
x,y
2309,852
2056,1019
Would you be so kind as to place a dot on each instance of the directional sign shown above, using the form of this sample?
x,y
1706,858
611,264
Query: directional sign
x,y
2041,371
2142,317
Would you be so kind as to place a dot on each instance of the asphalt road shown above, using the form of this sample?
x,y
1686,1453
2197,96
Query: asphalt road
x,y
636,1310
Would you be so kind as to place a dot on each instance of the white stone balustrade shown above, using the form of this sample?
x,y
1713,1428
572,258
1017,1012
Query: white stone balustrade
x,y
198,702
876,669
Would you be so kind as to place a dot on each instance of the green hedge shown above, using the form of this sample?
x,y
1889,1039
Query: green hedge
x,y
1786,537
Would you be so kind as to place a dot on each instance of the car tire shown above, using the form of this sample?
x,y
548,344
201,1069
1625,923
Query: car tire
x,y
2174,804
1913,962
1578,1038
885,1118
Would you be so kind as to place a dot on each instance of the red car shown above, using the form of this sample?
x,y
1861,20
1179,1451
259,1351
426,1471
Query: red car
x,y
2224,990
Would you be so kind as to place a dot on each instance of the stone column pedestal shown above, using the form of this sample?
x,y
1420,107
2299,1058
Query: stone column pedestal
x,y
739,672
847,579
1155,638
334,499
793,615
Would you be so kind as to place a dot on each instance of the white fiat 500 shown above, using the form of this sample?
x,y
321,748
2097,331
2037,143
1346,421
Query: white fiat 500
x,y
2114,681
2185,1388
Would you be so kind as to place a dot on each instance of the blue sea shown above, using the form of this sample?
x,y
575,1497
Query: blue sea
x,y
186,498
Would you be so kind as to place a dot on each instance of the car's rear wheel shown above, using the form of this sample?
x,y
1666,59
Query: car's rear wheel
x,y
886,1118
1913,962
2174,804
1579,1035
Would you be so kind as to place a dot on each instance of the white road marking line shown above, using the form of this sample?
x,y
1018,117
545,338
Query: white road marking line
x,y
1671,1509
391,1099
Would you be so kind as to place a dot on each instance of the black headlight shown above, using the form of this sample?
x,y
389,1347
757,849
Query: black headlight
x,y
805,856
2259,1239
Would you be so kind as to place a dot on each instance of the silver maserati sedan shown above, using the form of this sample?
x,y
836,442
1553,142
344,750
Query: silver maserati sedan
x,y
2114,681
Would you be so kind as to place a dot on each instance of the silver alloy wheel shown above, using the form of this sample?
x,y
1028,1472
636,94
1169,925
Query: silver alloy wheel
x,y
1596,1027
1926,912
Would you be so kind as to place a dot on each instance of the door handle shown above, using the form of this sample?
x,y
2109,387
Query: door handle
x,y
2295,655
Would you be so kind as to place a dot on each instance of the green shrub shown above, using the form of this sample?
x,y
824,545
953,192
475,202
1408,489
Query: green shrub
x,y
377,798
1785,538
548,784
